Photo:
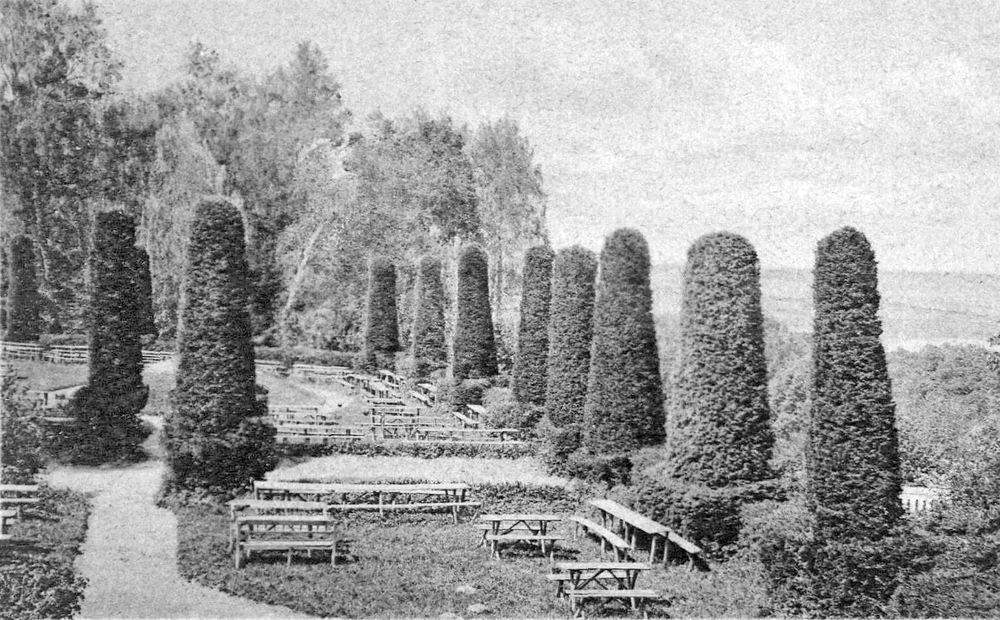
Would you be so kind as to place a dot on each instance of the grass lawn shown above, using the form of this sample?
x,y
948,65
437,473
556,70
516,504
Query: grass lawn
x,y
37,577
48,376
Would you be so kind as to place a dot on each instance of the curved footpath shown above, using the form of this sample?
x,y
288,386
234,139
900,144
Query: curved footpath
x,y
130,555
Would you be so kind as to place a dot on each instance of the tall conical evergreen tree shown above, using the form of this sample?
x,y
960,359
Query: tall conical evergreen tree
x,y
571,329
23,323
430,350
719,438
145,291
215,437
382,319
475,352
530,365
624,409
852,456
107,409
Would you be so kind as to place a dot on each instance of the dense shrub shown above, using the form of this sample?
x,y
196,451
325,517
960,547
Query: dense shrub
x,y
430,351
419,449
215,438
852,457
52,340
624,408
381,318
475,354
107,409
303,355
22,452
505,411
37,575
718,436
556,444
24,304
571,315
530,364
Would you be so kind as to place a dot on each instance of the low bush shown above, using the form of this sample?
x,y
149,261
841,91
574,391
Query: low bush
x,y
609,470
504,411
709,517
556,445
23,448
52,340
419,449
37,579
303,355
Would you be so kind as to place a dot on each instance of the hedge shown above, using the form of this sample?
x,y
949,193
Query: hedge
x,y
24,304
852,453
215,436
624,408
419,449
475,352
530,365
430,351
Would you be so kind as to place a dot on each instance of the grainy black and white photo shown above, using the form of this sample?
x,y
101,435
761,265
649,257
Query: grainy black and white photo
x,y
483,309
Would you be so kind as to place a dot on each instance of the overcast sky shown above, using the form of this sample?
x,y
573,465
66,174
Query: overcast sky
x,y
781,121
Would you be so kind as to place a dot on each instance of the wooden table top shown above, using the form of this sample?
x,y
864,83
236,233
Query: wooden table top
x,y
521,517
630,516
570,566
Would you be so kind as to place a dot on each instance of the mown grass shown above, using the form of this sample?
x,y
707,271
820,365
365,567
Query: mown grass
x,y
409,565
48,376
37,574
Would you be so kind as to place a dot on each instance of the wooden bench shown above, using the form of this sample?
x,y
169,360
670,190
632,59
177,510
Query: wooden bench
x,y
18,496
283,533
21,351
621,548
152,357
423,398
630,521
576,598
465,420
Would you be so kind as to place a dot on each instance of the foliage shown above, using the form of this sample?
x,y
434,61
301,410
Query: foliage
x,y
38,580
382,327
852,457
719,434
530,366
23,322
430,351
556,444
511,207
624,408
305,355
419,449
505,411
215,438
791,402
107,409
474,345
22,451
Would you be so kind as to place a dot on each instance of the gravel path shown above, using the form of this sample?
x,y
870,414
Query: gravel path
x,y
130,555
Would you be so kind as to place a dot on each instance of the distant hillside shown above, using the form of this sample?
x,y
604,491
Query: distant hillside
x,y
917,308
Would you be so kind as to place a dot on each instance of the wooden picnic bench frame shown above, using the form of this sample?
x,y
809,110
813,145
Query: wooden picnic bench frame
x,y
7,515
621,548
381,497
298,530
581,581
18,495
627,522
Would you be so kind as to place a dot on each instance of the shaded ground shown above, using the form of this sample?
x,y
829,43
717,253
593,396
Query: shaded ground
x,y
130,555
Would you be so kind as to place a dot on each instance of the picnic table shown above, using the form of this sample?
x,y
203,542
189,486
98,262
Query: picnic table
x,y
381,497
516,527
6,517
600,580
287,532
628,522
18,496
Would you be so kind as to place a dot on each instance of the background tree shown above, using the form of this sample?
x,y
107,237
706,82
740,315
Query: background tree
x,y
719,437
530,367
430,351
146,316
108,428
23,302
511,206
382,332
852,459
475,354
214,436
624,408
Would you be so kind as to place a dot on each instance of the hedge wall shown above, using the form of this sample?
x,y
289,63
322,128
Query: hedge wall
x,y
475,345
